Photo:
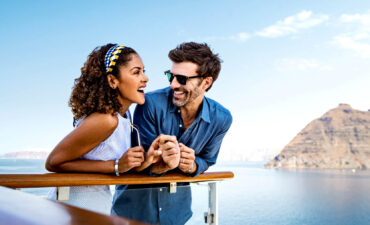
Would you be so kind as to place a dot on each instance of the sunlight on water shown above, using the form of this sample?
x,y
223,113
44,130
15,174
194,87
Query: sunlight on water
x,y
271,196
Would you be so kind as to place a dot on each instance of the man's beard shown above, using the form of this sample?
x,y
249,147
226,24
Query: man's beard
x,y
190,96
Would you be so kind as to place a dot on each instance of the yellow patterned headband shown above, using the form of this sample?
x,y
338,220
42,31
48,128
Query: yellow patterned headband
x,y
112,57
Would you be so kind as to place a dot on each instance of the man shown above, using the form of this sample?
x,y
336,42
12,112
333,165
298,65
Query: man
x,y
192,128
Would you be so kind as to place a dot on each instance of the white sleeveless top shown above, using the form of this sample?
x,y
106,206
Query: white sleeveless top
x,y
115,145
99,198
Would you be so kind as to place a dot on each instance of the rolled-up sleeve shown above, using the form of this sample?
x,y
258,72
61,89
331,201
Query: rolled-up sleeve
x,y
208,156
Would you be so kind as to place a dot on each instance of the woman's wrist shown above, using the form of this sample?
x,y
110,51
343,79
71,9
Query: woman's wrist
x,y
116,169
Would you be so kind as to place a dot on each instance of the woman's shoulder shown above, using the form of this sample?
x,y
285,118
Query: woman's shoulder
x,y
105,121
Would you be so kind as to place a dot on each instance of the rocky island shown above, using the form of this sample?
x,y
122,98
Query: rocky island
x,y
338,139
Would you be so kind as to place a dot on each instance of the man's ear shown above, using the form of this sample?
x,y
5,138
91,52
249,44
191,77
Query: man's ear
x,y
207,81
112,81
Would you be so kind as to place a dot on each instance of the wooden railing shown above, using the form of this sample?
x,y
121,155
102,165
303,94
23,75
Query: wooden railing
x,y
79,179
64,180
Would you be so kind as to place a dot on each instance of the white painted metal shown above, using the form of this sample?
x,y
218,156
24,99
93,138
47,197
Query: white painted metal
x,y
173,187
211,217
63,193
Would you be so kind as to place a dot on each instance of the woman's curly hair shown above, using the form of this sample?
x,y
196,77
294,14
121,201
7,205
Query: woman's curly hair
x,y
91,92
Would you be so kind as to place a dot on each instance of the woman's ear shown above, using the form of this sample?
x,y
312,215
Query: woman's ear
x,y
112,81
207,82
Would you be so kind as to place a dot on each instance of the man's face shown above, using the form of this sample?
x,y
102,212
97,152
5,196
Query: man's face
x,y
192,90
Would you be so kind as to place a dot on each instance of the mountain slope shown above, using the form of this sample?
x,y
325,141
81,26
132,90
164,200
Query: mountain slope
x,y
338,139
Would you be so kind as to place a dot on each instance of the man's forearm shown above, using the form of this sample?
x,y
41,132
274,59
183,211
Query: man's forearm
x,y
160,167
143,166
201,165
193,168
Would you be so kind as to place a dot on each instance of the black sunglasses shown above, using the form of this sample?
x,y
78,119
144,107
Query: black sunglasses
x,y
180,78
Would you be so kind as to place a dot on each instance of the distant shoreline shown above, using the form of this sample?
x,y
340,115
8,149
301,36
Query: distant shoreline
x,y
25,155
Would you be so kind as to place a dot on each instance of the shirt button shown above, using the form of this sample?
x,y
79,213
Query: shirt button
x,y
160,209
160,189
180,125
178,111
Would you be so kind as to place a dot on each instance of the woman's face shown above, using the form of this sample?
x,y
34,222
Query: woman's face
x,y
131,82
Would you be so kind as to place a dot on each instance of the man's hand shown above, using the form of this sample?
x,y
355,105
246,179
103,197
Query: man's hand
x,y
187,159
170,151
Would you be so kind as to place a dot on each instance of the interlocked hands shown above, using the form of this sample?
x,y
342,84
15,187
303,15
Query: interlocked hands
x,y
165,150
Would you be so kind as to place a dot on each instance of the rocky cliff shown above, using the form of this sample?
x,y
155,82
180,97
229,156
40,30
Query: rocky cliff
x,y
338,139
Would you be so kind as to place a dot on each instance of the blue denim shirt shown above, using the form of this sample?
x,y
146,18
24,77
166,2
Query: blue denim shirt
x,y
160,116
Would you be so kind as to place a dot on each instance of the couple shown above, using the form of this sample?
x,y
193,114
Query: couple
x,y
181,130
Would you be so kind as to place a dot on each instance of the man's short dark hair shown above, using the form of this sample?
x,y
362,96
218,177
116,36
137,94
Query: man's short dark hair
x,y
209,64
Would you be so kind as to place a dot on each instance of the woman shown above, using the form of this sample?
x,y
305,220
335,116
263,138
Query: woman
x,y
111,80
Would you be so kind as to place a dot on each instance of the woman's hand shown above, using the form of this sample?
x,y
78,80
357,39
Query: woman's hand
x,y
154,153
133,157
152,156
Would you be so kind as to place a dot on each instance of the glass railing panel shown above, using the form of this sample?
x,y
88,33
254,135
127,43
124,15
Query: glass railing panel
x,y
186,206
97,198
42,192
155,205
199,205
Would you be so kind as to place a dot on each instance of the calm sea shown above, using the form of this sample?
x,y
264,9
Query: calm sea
x,y
269,196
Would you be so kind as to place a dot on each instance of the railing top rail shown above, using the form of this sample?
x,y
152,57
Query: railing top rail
x,y
80,179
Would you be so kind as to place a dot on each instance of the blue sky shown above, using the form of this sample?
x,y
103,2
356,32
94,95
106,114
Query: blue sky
x,y
285,63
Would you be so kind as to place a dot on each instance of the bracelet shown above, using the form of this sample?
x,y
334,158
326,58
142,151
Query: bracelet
x,y
116,167
191,168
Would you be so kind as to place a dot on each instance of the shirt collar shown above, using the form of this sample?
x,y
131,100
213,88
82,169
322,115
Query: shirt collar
x,y
204,113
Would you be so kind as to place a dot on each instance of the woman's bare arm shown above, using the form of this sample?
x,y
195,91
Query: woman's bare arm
x,y
90,133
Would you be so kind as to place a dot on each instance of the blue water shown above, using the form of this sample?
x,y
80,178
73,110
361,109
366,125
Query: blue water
x,y
302,196
25,166
269,196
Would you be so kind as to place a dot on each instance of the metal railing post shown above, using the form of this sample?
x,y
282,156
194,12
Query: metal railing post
x,y
63,193
211,217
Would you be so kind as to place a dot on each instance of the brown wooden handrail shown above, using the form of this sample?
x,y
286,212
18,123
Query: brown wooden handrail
x,y
79,179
